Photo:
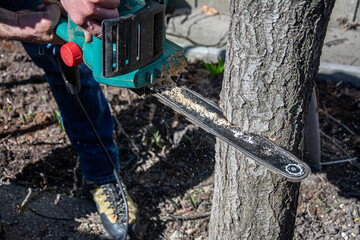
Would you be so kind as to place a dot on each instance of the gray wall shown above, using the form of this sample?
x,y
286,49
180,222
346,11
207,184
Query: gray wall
x,y
349,9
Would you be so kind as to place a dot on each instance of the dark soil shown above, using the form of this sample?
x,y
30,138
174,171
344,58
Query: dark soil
x,y
169,176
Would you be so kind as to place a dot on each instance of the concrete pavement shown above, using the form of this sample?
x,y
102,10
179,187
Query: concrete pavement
x,y
204,38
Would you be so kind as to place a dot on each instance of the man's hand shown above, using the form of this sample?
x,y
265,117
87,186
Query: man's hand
x,y
30,26
88,14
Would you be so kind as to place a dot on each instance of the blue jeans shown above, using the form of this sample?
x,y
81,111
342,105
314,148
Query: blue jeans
x,y
94,165
93,162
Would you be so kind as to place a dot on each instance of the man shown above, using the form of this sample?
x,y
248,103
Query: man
x,y
33,25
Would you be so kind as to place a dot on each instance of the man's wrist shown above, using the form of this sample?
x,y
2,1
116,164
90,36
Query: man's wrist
x,y
9,25
29,26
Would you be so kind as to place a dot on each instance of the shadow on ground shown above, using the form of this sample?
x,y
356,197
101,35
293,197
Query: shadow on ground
x,y
152,181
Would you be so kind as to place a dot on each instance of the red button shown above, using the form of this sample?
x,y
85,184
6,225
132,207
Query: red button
x,y
71,54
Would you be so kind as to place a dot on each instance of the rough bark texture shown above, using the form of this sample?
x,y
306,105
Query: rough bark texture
x,y
272,58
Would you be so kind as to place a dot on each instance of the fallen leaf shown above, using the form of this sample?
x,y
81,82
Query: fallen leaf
x,y
209,10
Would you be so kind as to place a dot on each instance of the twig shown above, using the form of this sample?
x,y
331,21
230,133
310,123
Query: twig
x,y
338,122
56,201
5,138
186,217
337,145
29,197
26,200
90,219
351,25
349,159
339,161
13,141
7,174
75,178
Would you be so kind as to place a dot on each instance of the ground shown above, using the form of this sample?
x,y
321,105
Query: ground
x,y
167,163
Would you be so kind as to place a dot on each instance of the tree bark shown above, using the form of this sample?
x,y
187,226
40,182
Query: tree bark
x,y
273,55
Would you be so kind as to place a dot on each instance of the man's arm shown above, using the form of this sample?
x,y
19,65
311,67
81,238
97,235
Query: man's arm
x,y
88,14
30,26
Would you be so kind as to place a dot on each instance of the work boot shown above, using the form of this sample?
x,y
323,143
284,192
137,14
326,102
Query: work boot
x,y
111,207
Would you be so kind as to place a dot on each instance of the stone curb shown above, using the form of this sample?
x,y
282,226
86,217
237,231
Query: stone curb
x,y
327,71
208,54
339,72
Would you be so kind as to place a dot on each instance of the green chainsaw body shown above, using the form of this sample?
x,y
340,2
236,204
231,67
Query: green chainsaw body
x,y
93,53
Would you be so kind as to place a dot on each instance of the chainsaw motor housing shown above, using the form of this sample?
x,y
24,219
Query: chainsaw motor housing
x,y
133,50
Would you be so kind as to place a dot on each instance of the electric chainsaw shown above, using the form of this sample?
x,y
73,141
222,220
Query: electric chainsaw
x,y
134,53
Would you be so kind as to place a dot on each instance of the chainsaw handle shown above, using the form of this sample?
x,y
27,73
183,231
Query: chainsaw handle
x,y
67,30
61,29
72,51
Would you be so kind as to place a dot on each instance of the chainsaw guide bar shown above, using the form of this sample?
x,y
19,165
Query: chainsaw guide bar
x,y
209,117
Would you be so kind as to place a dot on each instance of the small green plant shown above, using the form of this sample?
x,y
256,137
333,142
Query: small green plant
x,y
9,104
215,69
58,117
23,118
170,201
187,138
193,201
190,196
43,99
308,211
31,114
155,138
327,208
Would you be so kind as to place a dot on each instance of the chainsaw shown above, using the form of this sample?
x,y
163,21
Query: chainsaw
x,y
134,53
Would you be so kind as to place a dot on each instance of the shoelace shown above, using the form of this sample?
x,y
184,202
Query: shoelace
x,y
116,202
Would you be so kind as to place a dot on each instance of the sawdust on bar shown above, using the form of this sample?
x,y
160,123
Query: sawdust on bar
x,y
166,86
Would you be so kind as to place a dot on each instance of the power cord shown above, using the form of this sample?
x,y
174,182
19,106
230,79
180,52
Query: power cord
x,y
71,76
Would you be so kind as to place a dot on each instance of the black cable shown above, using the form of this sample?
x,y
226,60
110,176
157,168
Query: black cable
x,y
117,177
71,77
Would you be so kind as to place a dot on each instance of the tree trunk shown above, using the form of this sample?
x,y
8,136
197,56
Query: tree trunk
x,y
273,54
